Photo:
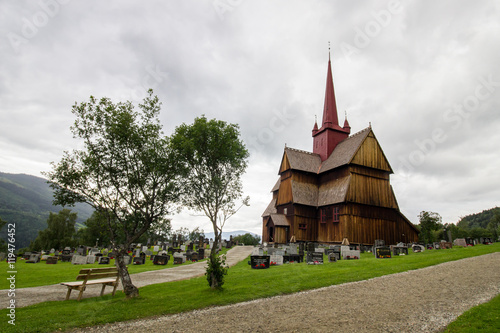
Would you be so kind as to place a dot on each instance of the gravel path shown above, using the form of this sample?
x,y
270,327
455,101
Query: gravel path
x,y
423,300
56,292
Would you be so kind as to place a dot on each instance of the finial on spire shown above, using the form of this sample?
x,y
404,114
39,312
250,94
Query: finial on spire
x,y
370,124
328,50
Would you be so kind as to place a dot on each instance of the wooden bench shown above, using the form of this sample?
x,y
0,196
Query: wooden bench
x,y
107,276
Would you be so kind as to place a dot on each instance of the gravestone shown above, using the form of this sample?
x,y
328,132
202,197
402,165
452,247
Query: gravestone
x,y
292,249
194,256
162,253
104,260
156,248
379,242
181,256
144,248
351,254
277,259
149,253
469,241
183,248
314,258
137,253
44,257
279,252
191,247
52,250
319,249
311,247
178,260
333,257
417,248
33,259
383,252
399,250
139,260
201,253
436,245
161,260
105,252
79,260
446,245
90,259
51,260
260,262
127,260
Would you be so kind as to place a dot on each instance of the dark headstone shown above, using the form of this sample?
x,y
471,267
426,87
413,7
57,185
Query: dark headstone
x,y
383,252
178,260
104,261
397,250
161,260
51,260
314,258
139,260
260,262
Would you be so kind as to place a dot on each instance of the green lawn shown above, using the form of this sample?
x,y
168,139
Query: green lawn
x,y
482,318
242,284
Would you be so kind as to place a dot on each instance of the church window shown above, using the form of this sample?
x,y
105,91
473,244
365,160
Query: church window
x,y
336,214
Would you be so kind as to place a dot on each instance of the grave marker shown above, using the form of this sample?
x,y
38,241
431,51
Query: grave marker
x,y
260,262
51,260
383,252
104,260
276,259
161,260
79,260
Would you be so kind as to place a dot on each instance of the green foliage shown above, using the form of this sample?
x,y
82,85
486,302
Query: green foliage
x,y
429,222
163,298
195,234
213,160
216,269
478,220
247,239
95,231
126,170
60,232
26,201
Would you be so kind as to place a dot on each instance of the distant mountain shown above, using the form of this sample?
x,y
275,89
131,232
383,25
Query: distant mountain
x,y
227,234
27,201
478,220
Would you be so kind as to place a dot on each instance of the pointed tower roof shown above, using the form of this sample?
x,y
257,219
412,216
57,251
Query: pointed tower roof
x,y
330,118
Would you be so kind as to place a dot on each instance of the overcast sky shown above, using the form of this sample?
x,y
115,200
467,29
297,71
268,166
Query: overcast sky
x,y
424,73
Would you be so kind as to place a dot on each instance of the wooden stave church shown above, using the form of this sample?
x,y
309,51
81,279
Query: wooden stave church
x,y
340,190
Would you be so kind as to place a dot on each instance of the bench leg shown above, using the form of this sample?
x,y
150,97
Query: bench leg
x,y
114,289
82,289
68,293
102,290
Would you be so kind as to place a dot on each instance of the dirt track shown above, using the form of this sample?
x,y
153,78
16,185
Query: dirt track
x,y
423,300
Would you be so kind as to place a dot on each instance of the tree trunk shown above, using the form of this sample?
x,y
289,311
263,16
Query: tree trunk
x,y
129,289
214,283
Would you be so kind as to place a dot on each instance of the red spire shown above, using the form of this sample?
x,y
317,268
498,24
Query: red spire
x,y
346,123
315,128
330,118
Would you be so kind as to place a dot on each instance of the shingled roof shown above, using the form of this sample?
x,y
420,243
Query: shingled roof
x,y
345,151
303,160
280,220
271,209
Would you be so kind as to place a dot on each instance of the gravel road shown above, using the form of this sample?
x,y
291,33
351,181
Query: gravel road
x,y
423,300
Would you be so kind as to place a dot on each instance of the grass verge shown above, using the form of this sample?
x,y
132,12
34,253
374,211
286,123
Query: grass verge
x,y
242,284
482,318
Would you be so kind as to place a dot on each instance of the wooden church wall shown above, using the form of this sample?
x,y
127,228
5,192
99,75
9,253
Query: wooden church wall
x,y
370,191
366,224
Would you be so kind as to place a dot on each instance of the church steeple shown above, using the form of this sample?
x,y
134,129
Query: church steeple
x,y
330,118
330,134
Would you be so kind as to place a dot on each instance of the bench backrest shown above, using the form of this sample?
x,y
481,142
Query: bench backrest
x,y
97,273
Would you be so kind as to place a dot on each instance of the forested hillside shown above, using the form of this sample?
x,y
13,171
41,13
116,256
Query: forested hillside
x,y
478,220
26,201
